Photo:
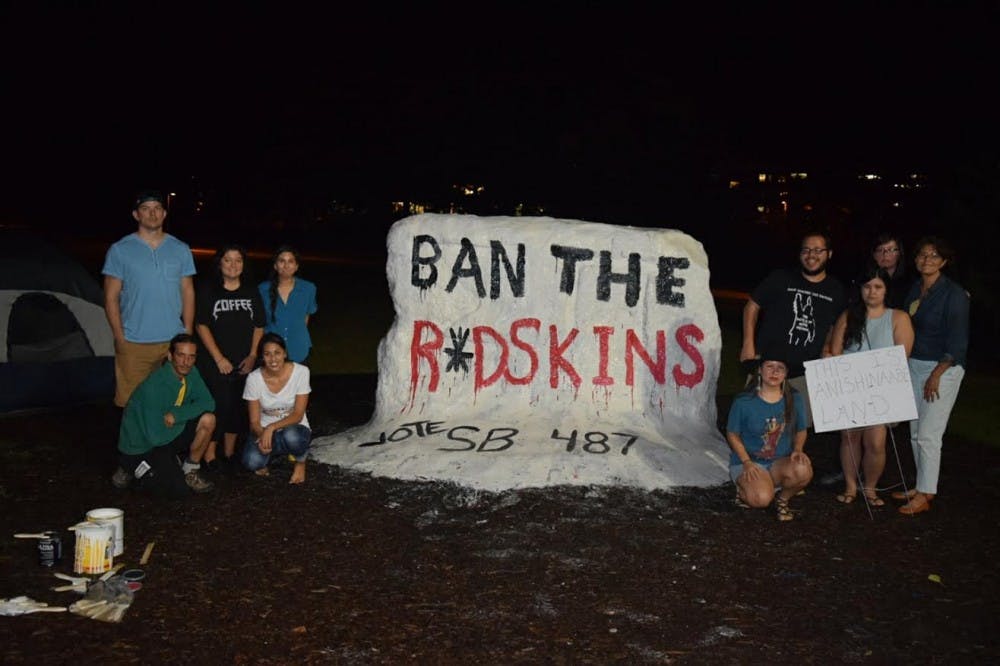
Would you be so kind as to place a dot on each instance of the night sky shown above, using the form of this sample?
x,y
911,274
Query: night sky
x,y
591,102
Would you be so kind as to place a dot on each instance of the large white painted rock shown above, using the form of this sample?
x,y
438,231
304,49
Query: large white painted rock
x,y
533,351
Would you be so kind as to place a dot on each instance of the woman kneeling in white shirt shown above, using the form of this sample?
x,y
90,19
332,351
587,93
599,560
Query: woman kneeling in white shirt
x,y
277,394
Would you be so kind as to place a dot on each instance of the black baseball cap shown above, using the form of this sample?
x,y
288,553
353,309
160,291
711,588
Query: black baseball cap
x,y
143,196
774,353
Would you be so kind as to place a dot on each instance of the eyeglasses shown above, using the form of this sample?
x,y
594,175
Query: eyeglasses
x,y
886,250
814,251
929,256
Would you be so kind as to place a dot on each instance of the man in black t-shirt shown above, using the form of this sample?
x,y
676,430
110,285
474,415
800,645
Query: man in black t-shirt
x,y
794,310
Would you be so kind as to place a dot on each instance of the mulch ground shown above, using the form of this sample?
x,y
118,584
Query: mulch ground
x,y
354,569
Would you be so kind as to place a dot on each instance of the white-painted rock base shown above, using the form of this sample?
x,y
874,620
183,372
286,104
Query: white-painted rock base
x,y
533,352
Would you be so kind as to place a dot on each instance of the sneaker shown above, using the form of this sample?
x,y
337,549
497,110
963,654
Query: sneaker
x,y
197,482
120,479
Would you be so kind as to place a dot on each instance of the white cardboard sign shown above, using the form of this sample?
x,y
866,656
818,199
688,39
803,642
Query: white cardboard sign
x,y
860,390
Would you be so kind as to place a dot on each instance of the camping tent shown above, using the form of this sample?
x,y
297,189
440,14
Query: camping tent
x,y
56,346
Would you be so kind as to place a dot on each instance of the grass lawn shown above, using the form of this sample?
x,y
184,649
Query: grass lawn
x,y
973,417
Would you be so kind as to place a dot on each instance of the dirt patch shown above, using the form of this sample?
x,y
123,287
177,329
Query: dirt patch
x,y
355,569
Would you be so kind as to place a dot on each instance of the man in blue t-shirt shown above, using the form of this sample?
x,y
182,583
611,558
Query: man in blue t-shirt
x,y
148,294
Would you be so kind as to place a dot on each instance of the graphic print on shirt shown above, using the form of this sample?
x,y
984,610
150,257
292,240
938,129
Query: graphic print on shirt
x,y
232,305
803,330
277,413
772,433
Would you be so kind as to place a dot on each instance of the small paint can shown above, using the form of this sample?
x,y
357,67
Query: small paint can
x,y
95,548
49,549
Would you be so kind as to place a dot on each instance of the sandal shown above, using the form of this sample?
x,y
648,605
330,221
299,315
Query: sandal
x,y
904,495
871,496
740,503
783,510
847,498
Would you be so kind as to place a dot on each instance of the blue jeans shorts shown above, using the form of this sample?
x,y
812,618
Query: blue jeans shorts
x,y
737,469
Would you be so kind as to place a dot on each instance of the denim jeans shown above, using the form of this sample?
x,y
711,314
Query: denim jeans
x,y
293,440
927,432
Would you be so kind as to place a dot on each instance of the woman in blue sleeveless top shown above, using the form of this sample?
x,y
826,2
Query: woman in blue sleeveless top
x,y
868,323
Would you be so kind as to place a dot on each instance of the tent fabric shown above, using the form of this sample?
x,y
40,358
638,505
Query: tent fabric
x,y
56,346
36,315
29,263
89,316
41,385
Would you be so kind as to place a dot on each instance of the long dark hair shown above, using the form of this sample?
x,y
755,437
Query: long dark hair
x,y
273,276
857,311
230,247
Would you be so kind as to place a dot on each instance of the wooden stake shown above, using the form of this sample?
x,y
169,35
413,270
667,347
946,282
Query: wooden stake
x,y
146,553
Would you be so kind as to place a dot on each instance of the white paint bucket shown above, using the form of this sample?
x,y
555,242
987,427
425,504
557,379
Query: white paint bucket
x,y
94,548
115,518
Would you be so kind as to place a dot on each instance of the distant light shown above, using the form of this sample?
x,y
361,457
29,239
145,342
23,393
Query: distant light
x,y
762,178
870,176
799,175
761,208
895,204
733,184
469,190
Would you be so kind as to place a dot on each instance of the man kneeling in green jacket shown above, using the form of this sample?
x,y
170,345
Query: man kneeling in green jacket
x,y
169,415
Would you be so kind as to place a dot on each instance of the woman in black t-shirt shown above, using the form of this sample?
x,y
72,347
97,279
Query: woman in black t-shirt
x,y
229,319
